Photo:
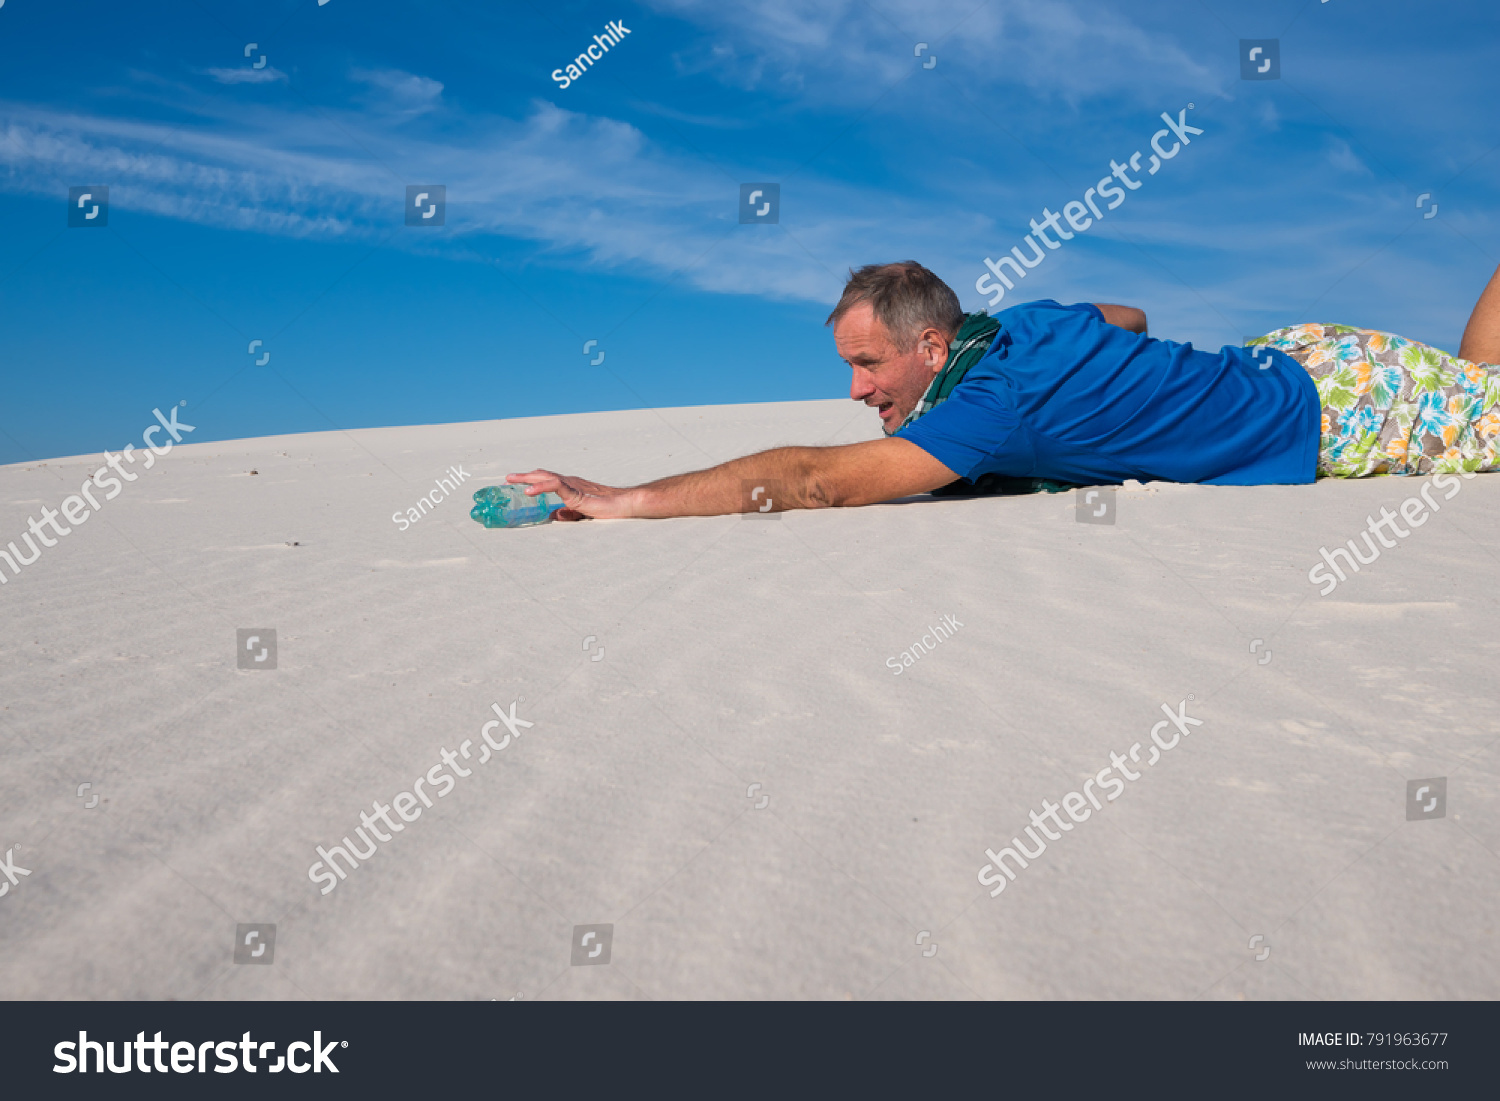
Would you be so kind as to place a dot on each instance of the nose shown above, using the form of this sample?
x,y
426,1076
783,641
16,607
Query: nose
x,y
862,385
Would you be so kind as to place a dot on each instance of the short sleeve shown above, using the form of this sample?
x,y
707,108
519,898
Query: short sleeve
x,y
974,432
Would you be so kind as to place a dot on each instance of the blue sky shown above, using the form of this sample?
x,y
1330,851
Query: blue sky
x,y
267,203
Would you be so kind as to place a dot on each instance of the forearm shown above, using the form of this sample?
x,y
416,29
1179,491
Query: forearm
x,y
796,477
784,476
1124,317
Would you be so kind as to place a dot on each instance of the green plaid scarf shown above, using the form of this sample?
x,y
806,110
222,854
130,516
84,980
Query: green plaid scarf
x,y
974,338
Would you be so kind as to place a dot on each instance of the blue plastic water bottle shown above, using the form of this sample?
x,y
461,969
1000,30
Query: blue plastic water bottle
x,y
508,506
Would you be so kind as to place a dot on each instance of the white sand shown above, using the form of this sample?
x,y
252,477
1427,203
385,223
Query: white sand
x,y
737,652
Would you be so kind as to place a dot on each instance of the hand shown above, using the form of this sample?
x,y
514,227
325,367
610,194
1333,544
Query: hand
x,y
583,500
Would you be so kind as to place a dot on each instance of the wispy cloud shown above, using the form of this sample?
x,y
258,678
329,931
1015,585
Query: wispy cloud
x,y
1342,157
590,189
587,191
247,74
398,91
838,51
713,122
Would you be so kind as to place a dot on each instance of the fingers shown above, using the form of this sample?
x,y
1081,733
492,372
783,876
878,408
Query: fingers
x,y
575,497
544,481
582,500
538,481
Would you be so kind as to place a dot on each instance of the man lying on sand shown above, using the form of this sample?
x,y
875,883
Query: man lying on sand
x,y
1049,395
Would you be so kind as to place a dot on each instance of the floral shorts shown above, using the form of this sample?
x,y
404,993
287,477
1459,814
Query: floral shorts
x,y
1393,406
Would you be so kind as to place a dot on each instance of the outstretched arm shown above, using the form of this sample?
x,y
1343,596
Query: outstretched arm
x,y
788,477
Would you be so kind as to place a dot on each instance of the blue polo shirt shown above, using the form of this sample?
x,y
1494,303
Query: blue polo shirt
x,y
1061,394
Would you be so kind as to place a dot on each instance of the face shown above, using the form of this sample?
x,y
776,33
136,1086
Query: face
x,y
887,380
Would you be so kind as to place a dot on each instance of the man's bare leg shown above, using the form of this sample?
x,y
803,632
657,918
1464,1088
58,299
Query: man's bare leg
x,y
1481,343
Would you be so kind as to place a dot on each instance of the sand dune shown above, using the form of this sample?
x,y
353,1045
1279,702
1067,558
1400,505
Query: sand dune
x,y
723,768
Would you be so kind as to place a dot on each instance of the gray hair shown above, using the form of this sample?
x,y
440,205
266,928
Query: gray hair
x,y
906,298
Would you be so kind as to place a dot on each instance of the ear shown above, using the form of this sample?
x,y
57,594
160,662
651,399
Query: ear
x,y
934,349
